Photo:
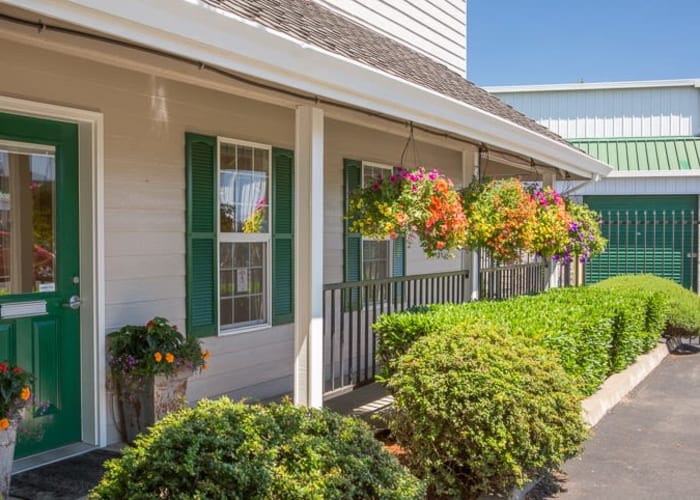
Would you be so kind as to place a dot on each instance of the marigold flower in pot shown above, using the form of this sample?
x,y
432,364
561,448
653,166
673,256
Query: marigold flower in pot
x,y
150,365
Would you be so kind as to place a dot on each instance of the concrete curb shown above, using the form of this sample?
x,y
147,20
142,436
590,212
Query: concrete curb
x,y
619,385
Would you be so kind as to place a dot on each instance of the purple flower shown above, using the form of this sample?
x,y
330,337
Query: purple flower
x,y
393,178
432,175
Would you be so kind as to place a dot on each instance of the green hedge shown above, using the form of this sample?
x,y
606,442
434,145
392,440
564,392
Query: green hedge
x,y
594,332
222,449
481,410
683,306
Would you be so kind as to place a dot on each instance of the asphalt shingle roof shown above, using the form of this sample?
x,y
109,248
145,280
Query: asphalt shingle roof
x,y
312,23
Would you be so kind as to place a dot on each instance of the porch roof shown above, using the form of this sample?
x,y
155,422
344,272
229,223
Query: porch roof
x,y
300,45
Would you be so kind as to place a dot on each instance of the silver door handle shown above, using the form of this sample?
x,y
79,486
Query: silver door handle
x,y
73,303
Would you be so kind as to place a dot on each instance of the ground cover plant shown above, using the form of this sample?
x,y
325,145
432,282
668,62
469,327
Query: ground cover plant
x,y
222,449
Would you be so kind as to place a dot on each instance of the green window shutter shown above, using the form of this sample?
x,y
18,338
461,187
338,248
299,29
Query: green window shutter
x,y
352,247
202,282
282,236
352,242
399,257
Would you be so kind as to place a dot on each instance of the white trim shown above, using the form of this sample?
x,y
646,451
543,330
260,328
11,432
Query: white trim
x,y
653,173
308,256
556,87
92,272
222,39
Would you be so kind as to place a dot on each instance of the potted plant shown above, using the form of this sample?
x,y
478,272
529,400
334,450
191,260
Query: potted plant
x,y
150,366
15,395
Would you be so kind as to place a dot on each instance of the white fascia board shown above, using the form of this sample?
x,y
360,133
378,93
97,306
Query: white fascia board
x,y
654,174
555,87
204,34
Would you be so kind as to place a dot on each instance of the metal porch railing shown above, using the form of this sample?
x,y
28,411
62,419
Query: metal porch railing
x,y
350,309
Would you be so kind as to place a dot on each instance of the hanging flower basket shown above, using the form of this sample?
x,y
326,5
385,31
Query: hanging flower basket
x,y
410,203
585,238
552,223
501,215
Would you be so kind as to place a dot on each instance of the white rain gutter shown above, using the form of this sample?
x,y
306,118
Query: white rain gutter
x,y
202,33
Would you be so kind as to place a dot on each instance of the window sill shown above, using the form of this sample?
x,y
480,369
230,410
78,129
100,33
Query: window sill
x,y
245,329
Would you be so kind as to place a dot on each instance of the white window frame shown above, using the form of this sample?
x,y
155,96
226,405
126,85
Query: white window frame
x,y
390,263
244,238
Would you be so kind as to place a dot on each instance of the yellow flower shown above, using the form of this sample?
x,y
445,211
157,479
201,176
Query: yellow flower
x,y
169,358
158,357
4,424
24,395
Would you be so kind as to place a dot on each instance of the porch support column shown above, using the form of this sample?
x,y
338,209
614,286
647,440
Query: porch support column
x,y
549,179
470,259
308,252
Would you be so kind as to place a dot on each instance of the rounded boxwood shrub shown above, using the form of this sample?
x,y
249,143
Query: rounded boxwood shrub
x,y
222,449
481,411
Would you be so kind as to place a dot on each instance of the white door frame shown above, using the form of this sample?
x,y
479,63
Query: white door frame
x,y
93,393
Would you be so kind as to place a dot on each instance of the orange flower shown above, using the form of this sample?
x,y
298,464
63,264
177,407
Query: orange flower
x,y
205,367
205,355
4,424
158,357
169,358
24,395
150,324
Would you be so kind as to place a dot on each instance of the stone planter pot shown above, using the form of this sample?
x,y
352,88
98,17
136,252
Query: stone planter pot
x,y
144,402
8,438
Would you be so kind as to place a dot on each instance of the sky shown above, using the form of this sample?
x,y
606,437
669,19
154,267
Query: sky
x,y
516,42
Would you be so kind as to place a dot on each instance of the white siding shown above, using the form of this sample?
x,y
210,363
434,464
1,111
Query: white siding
x,y
620,112
634,186
436,28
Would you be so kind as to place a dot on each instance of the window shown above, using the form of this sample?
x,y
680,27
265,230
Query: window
x,y
376,255
244,234
240,220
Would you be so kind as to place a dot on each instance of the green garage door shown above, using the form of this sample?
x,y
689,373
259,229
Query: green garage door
x,y
647,234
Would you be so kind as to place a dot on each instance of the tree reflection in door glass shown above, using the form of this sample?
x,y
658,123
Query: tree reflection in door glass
x,y
27,218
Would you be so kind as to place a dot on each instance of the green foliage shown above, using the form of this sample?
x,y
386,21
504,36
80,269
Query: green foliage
x,y
221,449
682,312
482,411
138,352
15,392
594,332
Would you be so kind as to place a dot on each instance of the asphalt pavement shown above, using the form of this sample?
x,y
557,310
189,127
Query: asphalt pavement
x,y
648,446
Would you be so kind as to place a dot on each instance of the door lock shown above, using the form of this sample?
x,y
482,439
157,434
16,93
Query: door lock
x,y
73,303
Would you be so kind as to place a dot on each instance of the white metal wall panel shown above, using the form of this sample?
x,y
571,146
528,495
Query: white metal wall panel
x,y
436,28
629,112
633,186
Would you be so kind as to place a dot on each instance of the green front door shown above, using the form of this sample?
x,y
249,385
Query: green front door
x,y
39,264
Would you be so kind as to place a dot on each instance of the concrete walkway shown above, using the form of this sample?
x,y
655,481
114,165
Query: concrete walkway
x,y
648,446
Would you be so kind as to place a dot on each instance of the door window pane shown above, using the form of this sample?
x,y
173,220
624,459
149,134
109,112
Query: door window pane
x,y
27,218
375,259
